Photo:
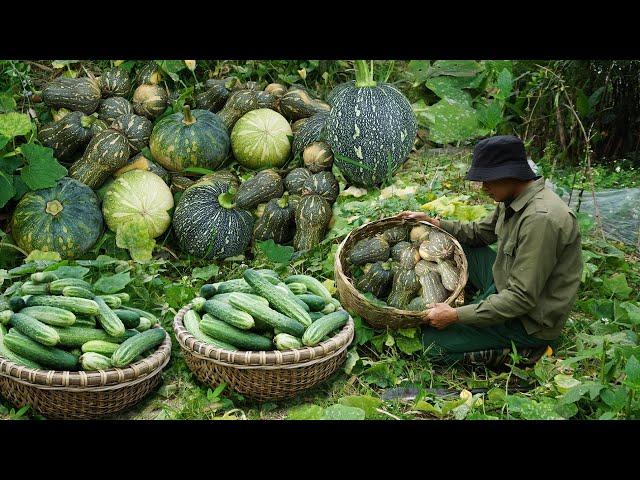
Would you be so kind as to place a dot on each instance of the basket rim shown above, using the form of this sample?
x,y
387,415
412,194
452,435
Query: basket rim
x,y
265,359
99,380
418,315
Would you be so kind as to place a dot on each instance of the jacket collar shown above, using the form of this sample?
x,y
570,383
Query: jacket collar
x,y
525,197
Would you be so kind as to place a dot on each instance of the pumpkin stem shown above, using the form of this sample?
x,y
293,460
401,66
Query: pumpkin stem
x,y
87,120
54,207
188,119
284,200
364,74
226,199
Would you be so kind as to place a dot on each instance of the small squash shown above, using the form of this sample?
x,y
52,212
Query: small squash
x,y
318,157
114,82
307,131
140,162
150,100
239,103
376,280
439,246
77,94
276,89
313,215
369,250
260,188
276,221
113,107
179,183
150,74
405,285
295,180
397,249
448,274
136,128
432,289
68,135
417,305
394,235
419,233
213,99
261,139
409,257
267,100
106,153
298,103
323,184
225,176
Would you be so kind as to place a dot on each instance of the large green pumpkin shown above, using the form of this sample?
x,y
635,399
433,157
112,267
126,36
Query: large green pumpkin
x,y
261,139
195,138
65,218
371,129
208,225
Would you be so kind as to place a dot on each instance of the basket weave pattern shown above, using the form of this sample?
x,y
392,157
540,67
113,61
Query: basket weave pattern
x,y
83,395
263,375
385,316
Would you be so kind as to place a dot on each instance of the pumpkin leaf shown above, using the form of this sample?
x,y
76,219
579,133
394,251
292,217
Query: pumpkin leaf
x,y
6,188
57,64
7,103
205,273
449,121
365,403
343,412
276,253
446,87
14,124
42,169
66,271
306,412
632,372
171,67
409,346
134,236
112,283
617,285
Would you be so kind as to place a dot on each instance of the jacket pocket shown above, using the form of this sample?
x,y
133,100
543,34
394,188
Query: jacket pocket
x,y
509,254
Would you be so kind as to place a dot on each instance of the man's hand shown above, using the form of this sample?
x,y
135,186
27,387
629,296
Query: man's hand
x,y
441,315
419,216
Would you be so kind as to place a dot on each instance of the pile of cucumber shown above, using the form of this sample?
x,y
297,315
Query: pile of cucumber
x,y
55,323
262,312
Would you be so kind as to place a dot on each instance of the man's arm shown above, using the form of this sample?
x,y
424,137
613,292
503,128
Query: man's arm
x,y
533,263
474,234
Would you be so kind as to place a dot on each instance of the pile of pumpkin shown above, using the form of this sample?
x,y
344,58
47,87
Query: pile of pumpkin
x,y
102,130
406,269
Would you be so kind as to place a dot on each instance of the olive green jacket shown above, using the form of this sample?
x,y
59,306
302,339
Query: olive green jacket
x,y
538,266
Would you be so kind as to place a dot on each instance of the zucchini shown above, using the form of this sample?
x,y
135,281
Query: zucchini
x,y
197,303
43,277
91,361
323,326
235,285
207,290
14,357
314,302
30,288
137,345
57,286
17,303
226,333
100,346
297,288
50,357
80,292
284,341
313,285
143,314
145,324
123,296
77,336
51,315
225,312
5,316
129,319
283,303
267,315
191,322
111,300
73,304
107,318
35,329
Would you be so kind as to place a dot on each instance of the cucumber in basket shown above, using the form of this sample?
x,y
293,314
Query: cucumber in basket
x,y
191,322
77,336
100,346
229,334
266,314
49,357
73,304
137,345
43,277
323,326
14,357
314,302
226,312
284,341
51,315
35,329
57,286
313,285
94,361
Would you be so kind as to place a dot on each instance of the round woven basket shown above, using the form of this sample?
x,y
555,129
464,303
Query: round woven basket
x,y
263,375
83,395
385,316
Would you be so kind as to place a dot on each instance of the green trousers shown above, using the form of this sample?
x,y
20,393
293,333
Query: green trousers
x,y
453,342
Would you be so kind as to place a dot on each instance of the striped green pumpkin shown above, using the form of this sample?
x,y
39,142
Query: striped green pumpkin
x,y
195,138
65,219
276,222
313,214
114,81
76,94
150,100
113,107
106,153
136,128
68,135
207,224
308,132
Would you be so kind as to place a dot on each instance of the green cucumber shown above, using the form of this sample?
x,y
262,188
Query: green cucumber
x,y
267,315
51,315
316,315
123,296
313,285
224,297
73,304
314,302
207,290
297,288
137,345
129,319
143,314
197,303
17,303
226,333
57,286
227,313
48,357
43,277
85,322
5,316
112,301
235,285
336,302
283,303
100,346
323,326
80,292
14,357
77,336
145,324
328,308
30,288
109,321
35,329
92,361
191,322
285,289
284,341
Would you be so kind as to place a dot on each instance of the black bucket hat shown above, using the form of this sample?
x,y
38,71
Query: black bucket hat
x,y
498,157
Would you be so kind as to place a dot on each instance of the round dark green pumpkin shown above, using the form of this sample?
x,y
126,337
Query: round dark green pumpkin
x,y
208,225
193,138
113,107
308,132
136,128
65,218
114,81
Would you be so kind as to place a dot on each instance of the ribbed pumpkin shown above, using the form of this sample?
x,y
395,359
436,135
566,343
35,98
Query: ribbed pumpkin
x,y
76,94
136,128
313,215
68,135
65,219
260,139
317,157
195,138
298,103
260,188
114,81
373,126
208,225
225,176
213,99
276,222
113,107
323,184
295,179
309,130
150,100
149,73
106,153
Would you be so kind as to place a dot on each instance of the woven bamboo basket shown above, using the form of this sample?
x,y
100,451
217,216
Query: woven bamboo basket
x,y
385,316
83,395
263,375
